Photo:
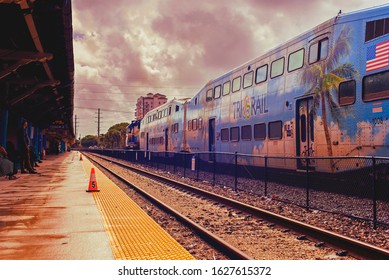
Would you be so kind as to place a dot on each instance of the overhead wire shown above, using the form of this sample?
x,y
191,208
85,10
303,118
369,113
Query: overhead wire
x,y
138,86
95,108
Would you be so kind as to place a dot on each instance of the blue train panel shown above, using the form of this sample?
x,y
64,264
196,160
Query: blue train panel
x,y
132,135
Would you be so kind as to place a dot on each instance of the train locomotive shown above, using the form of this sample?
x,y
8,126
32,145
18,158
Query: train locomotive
x,y
324,93
132,135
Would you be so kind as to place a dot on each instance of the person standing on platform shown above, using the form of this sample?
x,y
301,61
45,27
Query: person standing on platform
x,y
24,143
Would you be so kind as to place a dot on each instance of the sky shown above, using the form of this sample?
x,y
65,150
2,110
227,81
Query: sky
x,y
124,49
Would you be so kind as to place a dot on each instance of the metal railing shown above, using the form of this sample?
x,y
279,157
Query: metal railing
x,y
353,186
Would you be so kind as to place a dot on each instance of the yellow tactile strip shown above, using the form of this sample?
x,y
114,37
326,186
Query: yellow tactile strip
x,y
133,234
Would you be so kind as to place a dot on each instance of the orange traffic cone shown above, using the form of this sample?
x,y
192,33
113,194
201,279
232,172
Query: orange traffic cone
x,y
80,156
92,182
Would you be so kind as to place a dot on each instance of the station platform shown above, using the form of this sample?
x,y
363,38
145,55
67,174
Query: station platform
x,y
50,216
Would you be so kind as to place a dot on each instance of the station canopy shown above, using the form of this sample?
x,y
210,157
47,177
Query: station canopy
x,y
36,61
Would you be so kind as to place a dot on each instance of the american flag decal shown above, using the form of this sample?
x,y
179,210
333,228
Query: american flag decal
x,y
377,56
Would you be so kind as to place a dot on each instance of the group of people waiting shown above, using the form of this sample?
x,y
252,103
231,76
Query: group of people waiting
x,y
25,156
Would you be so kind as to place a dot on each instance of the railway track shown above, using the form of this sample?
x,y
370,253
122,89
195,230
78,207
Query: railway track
x,y
247,214
224,247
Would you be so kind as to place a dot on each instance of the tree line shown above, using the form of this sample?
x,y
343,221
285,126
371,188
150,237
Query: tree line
x,y
114,138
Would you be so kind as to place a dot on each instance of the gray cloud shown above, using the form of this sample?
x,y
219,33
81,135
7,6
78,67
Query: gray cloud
x,y
173,46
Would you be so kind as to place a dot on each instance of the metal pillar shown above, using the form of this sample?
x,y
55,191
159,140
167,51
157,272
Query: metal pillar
x,y
3,127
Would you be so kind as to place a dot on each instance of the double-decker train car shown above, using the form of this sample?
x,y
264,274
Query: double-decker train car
x,y
324,93
163,128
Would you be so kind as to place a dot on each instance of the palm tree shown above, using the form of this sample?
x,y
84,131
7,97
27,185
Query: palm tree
x,y
324,78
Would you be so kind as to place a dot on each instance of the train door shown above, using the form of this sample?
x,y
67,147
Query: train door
x,y
147,141
211,135
305,134
211,138
166,140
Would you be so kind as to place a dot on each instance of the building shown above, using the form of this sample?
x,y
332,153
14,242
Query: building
x,y
147,103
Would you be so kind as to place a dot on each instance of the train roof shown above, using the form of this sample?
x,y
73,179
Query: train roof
x,y
174,101
339,18
375,11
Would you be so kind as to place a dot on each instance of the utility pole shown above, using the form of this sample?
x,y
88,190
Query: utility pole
x,y
75,126
98,125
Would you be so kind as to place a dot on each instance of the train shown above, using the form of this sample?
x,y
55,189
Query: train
x,y
132,135
324,93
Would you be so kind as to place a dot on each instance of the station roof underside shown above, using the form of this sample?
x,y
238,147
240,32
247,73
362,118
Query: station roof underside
x,y
36,60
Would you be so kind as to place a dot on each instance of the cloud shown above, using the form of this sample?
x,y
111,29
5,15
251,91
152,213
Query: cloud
x,y
213,37
127,48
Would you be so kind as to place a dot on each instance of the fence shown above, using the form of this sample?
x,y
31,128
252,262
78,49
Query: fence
x,y
353,186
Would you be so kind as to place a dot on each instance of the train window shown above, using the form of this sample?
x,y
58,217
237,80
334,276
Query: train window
x,y
324,46
277,67
313,53
296,60
174,128
189,125
224,134
275,130
234,134
194,124
217,92
177,108
226,88
376,28
369,33
248,79
375,87
347,91
200,123
261,74
236,84
159,114
379,28
246,132
170,110
318,51
259,131
386,26
209,95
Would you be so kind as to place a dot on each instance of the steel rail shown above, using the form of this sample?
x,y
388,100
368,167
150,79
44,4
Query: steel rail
x,y
355,248
228,249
